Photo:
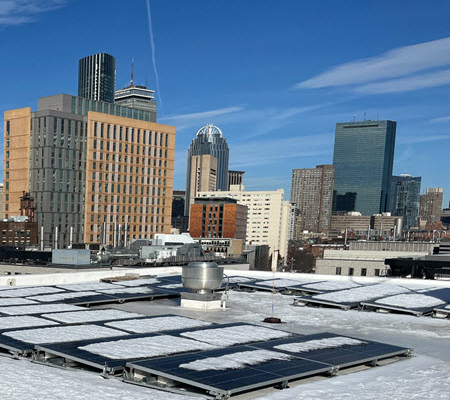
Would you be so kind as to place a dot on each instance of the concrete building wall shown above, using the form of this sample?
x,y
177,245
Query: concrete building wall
x,y
203,175
420,247
331,267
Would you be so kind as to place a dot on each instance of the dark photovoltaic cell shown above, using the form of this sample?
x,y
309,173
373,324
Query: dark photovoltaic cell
x,y
229,381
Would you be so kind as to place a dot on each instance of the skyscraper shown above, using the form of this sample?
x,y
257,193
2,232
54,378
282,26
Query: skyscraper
x,y
363,160
89,168
430,207
209,140
404,201
97,77
312,193
203,175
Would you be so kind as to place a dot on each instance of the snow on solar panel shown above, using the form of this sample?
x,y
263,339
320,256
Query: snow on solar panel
x,y
328,343
235,361
47,298
62,334
447,307
238,279
332,285
15,302
148,325
31,291
23,322
137,282
363,293
127,290
232,335
171,286
83,287
38,309
284,282
146,347
411,300
90,316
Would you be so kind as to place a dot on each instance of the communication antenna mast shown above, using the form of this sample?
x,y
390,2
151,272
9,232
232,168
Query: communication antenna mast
x,y
364,115
132,72
354,117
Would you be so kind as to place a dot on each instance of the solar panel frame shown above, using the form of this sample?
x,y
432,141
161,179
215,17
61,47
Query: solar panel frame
x,y
228,381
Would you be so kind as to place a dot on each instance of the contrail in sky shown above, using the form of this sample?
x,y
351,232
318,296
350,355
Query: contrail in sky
x,y
152,45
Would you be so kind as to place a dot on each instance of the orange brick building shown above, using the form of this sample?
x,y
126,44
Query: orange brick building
x,y
218,218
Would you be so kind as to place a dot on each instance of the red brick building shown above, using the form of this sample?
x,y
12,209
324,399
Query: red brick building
x,y
218,217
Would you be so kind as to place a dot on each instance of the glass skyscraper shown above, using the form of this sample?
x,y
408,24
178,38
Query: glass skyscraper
x,y
210,141
405,197
363,160
97,77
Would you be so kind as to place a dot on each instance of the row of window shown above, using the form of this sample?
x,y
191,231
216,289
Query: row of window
x,y
131,135
351,271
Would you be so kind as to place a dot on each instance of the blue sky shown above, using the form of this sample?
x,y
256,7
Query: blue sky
x,y
274,76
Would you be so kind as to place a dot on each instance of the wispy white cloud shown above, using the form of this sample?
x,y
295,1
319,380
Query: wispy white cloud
x,y
401,61
18,12
407,84
439,120
422,139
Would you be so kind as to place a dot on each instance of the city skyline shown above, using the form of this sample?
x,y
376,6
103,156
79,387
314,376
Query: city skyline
x,y
276,102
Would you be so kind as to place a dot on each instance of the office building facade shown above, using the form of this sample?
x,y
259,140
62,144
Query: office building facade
x,y
137,97
312,193
90,166
405,198
265,222
235,178
363,160
218,217
430,207
203,175
97,77
209,141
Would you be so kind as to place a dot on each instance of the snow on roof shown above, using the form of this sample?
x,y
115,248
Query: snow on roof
x,y
47,298
82,287
137,282
148,325
16,301
285,282
127,290
61,334
236,360
333,285
31,291
146,347
328,343
232,335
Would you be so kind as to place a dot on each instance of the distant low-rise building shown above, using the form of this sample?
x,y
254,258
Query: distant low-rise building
x,y
431,205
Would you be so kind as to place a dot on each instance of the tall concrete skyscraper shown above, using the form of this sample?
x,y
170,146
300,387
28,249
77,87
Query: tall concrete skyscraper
x,y
404,201
209,140
97,77
312,193
203,175
363,160
431,205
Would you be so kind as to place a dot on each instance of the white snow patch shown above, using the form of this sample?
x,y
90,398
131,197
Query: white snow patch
x,y
447,307
38,309
328,343
127,290
238,279
284,282
61,334
359,294
147,325
411,300
332,285
31,291
23,380
171,286
16,302
137,282
84,287
23,322
146,347
235,360
232,335
78,317
47,298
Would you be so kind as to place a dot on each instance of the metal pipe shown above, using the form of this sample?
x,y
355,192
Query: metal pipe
x,y
115,235
71,237
42,238
120,235
56,237
125,235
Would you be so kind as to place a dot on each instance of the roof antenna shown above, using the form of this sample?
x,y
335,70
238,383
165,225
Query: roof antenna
x,y
354,117
132,72
364,115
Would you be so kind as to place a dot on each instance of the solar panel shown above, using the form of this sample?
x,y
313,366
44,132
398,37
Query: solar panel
x,y
85,287
442,312
226,380
38,309
137,282
16,301
75,317
30,291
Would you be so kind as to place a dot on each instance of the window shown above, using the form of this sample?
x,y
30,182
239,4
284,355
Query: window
x,y
363,271
338,270
377,272
351,271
